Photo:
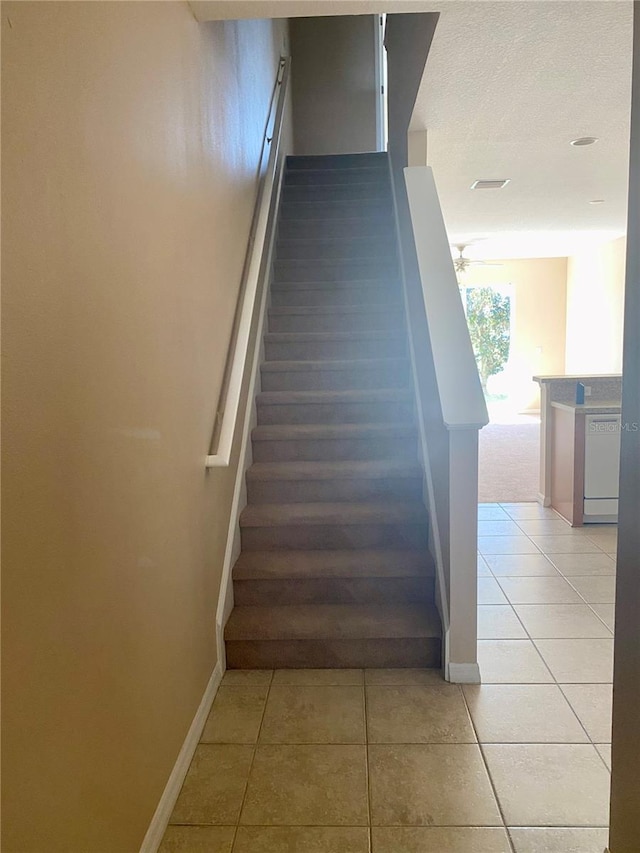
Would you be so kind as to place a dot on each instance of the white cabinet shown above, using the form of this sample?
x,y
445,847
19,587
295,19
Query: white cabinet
x,y
601,467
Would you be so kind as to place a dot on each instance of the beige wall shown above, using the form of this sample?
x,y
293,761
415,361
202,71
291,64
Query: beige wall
x,y
539,318
595,304
131,137
334,92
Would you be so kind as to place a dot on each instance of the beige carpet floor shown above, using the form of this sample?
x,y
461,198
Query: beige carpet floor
x,y
509,464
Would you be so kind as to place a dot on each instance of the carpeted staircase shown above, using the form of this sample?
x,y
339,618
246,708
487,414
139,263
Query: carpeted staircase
x,y
335,569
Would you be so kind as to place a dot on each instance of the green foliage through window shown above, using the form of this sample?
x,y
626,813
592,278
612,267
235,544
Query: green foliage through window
x,y
489,321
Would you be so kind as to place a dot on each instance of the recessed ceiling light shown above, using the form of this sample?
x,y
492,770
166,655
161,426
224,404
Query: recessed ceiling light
x,y
597,201
491,184
584,140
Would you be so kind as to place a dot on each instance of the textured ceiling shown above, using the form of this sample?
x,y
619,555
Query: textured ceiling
x,y
506,87
206,10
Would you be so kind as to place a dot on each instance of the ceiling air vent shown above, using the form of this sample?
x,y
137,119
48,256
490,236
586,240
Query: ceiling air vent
x,y
490,185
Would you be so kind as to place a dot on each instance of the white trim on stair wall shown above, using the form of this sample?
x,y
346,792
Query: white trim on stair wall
x,y
232,551
260,237
160,819
250,420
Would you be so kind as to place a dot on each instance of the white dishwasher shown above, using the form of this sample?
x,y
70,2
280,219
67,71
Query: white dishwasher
x,y
601,468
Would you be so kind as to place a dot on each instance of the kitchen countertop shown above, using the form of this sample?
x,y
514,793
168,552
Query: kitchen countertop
x,y
576,376
599,407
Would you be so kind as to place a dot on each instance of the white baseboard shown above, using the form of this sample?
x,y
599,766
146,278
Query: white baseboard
x,y
543,500
463,673
160,819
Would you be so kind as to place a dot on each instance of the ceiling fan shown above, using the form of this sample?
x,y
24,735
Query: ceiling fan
x,y
461,263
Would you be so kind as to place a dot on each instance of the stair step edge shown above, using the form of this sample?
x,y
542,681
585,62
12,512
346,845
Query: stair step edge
x,y
271,398
329,514
321,337
315,310
311,365
300,565
334,287
345,470
331,621
288,432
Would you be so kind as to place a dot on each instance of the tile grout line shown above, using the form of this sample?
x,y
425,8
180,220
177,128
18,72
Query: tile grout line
x,y
253,756
517,617
588,603
533,642
555,680
593,575
366,754
513,607
562,575
536,645
488,772
530,638
590,741
583,601
557,684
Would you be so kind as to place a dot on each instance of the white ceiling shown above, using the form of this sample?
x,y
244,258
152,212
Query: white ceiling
x,y
506,87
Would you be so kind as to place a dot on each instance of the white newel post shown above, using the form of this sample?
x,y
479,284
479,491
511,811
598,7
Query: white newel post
x,y
544,493
463,532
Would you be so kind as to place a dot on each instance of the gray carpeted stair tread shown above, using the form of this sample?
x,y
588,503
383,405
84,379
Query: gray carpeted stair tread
x,y
335,248
375,395
374,265
362,209
365,469
348,175
300,565
327,162
314,310
314,337
331,364
332,622
355,226
365,191
291,432
332,345
337,242
347,285
273,515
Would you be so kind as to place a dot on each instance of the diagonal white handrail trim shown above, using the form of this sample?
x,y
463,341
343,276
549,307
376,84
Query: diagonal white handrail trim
x,y
230,403
461,397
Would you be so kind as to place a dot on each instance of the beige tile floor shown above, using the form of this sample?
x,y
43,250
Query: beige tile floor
x,y
398,761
